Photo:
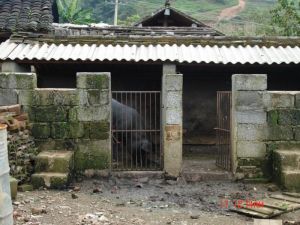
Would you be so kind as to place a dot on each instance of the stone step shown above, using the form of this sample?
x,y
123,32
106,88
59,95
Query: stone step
x,y
290,180
286,160
54,161
50,180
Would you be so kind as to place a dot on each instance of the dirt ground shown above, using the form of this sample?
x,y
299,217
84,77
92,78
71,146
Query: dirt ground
x,y
231,12
139,201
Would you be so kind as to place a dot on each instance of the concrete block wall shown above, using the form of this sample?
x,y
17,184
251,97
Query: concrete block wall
x,y
66,119
249,122
262,122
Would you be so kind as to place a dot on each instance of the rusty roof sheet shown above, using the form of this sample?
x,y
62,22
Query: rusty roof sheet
x,y
10,50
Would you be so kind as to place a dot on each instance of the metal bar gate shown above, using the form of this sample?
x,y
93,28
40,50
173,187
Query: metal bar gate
x,y
136,130
223,130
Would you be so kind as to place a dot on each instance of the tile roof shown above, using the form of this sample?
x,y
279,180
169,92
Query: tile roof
x,y
26,15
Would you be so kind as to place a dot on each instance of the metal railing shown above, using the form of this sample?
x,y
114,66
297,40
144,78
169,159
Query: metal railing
x,y
223,130
136,130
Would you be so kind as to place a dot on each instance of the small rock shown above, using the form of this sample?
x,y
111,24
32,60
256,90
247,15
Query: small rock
x,y
273,188
139,185
144,180
16,203
74,196
76,188
38,211
103,219
97,190
195,217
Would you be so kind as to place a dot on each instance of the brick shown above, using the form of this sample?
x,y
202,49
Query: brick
x,y
18,80
249,82
50,114
60,130
8,97
249,100
100,130
251,149
289,117
93,80
280,133
61,97
275,100
93,113
41,130
297,133
77,130
251,117
251,132
25,97
297,100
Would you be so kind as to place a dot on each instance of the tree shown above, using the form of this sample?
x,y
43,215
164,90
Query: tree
x,y
70,11
130,20
286,17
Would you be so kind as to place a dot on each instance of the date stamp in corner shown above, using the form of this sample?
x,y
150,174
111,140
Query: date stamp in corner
x,y
240,203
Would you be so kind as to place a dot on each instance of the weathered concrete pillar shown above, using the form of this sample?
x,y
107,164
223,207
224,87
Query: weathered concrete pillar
x,y
249,122
10,66
172,123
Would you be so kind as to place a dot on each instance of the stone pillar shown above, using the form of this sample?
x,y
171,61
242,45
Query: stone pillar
x,y
94,111
16,88
249,123
172,123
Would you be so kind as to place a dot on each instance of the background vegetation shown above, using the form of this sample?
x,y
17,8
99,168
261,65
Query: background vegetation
x,y
260,17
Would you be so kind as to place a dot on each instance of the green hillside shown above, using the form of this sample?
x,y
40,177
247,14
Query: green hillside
x,y
255,19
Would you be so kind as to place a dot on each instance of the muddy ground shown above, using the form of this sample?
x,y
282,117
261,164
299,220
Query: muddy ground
x,y
143,201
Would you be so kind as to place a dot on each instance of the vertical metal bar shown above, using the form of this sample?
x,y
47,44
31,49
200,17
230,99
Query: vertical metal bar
x,y
150,133
131,134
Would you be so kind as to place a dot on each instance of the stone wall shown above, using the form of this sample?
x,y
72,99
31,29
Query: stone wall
x,y
66,119
262,121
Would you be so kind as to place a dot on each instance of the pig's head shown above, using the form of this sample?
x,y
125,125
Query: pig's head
x,y
146,145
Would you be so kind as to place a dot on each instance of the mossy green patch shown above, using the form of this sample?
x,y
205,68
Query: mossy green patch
x,y
37,182
40,130
93,159
99,130
60,130
50,114
97,82
273,117
58,182
76,130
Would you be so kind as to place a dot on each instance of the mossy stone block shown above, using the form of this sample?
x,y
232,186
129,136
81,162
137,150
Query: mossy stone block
x,y
37,181
76,130
278,133
273,117
73,114
99,130
51,114
93,97
25,187
41,130
60,130
61,97
93,80
94,159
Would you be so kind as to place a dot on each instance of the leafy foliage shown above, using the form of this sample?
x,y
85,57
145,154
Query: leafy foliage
x,y
287,17
71,11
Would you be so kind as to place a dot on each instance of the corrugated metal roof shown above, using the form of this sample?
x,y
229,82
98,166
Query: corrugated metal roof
x,y
174,53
